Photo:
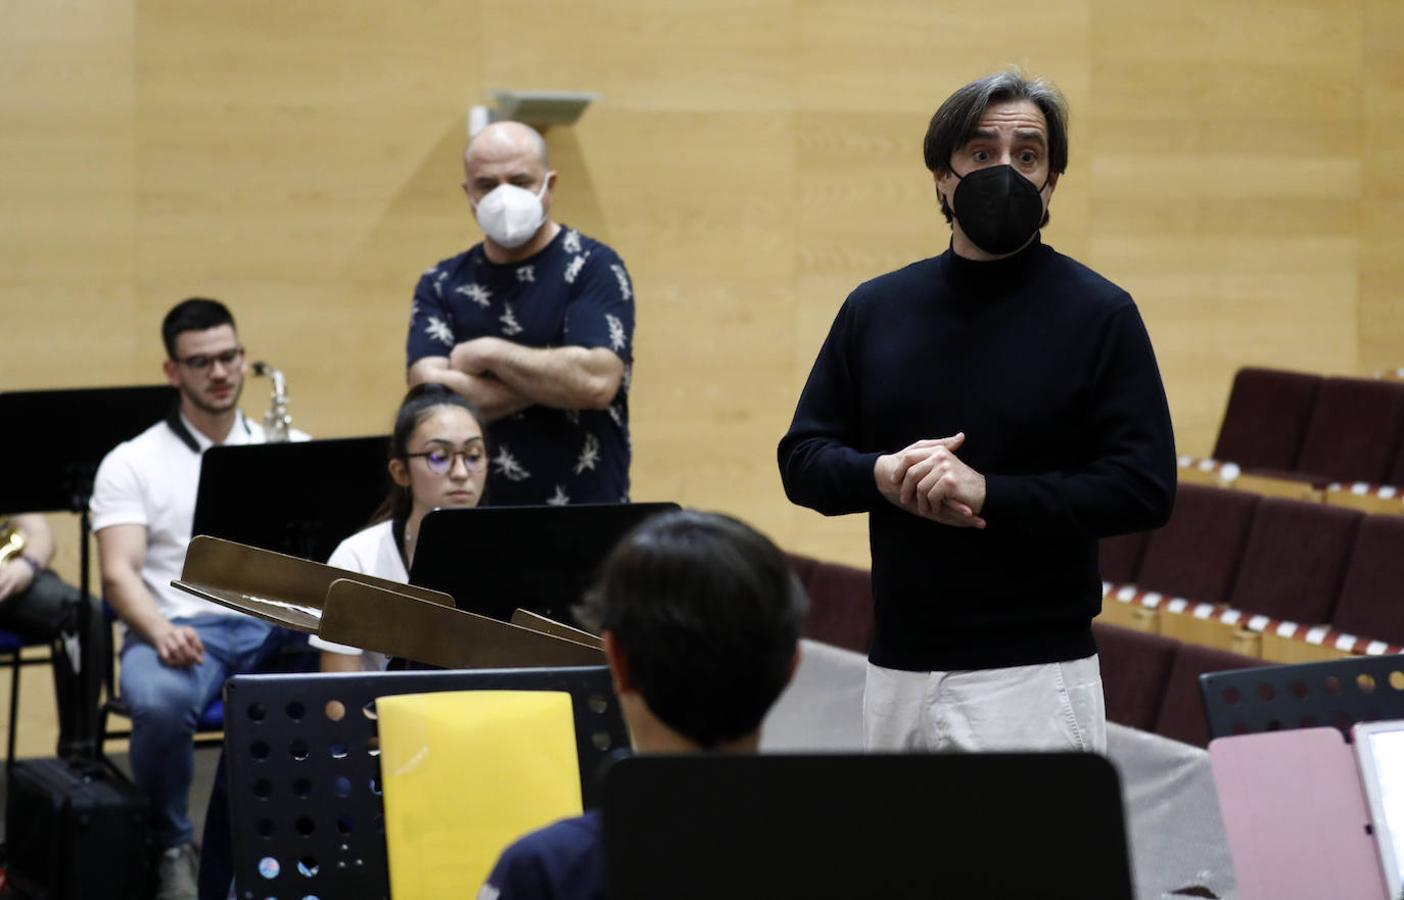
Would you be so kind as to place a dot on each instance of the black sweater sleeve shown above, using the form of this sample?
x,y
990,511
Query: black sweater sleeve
x,y
820,464
1129,485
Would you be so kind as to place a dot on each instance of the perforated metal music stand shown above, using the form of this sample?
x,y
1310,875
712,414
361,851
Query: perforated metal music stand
x,y
900,827
1336,693
50,468
495,560
304,776
301,498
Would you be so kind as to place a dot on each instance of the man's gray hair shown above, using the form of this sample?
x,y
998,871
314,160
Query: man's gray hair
x,y
955,121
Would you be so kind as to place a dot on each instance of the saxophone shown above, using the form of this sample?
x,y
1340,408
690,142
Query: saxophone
x,y
11,542
277,424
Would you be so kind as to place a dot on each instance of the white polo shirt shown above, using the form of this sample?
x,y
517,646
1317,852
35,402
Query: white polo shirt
x,y
152,480
370,551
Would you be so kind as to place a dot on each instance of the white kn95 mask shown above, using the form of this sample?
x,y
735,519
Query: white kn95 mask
x,y
510,215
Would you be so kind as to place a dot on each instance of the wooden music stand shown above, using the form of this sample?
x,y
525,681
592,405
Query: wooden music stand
x,y
368,612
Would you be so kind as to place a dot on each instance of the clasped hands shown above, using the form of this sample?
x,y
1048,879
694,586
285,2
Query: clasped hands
x,y
927,479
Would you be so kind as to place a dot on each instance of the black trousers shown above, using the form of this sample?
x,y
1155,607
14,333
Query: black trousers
x,y
48,611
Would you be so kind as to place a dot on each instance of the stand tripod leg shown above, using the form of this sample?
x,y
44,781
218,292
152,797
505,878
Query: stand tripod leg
x,y
87,683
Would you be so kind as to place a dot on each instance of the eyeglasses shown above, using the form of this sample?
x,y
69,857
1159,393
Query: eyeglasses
x,y
440,460
202,361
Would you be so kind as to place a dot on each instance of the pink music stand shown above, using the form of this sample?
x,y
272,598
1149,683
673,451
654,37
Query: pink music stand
x,y
1295,816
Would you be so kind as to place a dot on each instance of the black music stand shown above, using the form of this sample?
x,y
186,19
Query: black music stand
x,y
304,776
1336,693
301,498
493,560
51,466
896,826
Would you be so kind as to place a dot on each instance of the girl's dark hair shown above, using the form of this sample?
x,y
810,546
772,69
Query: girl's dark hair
x,y
707,613
418,404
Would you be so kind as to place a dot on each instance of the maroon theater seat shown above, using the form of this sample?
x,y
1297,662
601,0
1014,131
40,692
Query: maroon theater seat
x,y
1396,472
1372,597
1295,560
1182,714
840,606
1120,557
1135,669
1266,418
803,566
1354,431
1196,554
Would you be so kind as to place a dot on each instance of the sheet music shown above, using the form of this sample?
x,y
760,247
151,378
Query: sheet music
x,y
312,611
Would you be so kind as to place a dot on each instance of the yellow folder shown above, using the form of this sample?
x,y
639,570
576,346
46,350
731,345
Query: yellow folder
x,y
465,774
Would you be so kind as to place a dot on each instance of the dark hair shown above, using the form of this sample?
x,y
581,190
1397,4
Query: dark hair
x,y
953,124
194,314
707,615
419,403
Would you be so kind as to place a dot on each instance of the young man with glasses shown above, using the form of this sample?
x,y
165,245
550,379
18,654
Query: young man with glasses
x,y
177,650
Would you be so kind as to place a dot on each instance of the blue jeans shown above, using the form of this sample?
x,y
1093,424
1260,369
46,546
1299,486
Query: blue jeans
x,y
166,701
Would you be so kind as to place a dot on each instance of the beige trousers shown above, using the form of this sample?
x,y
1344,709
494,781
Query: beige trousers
x,y
1055,706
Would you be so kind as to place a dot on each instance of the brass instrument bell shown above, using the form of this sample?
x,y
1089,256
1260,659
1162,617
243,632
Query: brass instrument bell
x,y
11,542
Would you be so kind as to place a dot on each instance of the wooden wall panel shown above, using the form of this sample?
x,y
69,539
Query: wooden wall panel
x,y
701,58
1382,198
66,157
695,205
293,162
753,160
1226,179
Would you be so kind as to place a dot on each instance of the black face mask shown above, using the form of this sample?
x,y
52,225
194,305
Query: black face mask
x,y
998,209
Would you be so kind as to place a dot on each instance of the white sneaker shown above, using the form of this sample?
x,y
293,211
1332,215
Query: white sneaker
x,y
176,874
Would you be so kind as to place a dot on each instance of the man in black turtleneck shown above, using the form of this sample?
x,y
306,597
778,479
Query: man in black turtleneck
x,y
995,410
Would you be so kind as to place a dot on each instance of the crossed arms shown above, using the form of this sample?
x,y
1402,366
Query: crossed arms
x,y
501,378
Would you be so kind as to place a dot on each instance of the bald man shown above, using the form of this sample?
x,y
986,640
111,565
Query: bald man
x,y
534,325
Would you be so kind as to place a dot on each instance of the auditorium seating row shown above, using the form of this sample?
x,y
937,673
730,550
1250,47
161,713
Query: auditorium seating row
x,y
840,602
1307,436
1267,577
1151,682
